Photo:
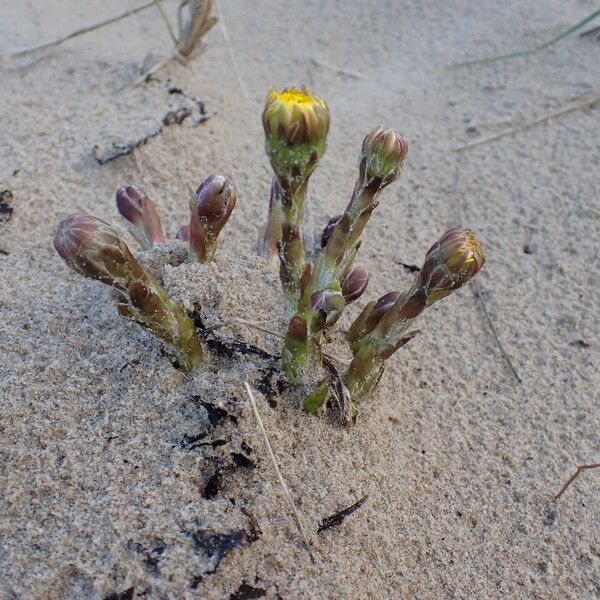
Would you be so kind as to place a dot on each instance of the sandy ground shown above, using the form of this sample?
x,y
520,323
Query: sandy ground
x,y
103,492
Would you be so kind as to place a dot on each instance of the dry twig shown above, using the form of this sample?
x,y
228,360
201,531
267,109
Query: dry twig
x,y
284,487
190,32
573,106
573,477
86,29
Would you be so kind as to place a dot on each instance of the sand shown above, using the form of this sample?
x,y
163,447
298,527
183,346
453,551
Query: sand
x,y
105,490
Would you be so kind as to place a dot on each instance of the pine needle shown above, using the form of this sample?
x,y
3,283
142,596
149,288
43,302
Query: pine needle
x,y
573,106
284,486
530,51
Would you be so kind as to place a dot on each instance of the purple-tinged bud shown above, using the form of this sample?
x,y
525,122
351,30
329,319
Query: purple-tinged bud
x,y
134,205
183,233
370,316
211,208
383,153
450,263
328,230
354,284
91,247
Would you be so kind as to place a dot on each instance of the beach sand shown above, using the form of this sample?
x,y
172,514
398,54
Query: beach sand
x,y
122,478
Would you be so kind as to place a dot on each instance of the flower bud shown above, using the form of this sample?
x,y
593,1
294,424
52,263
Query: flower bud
x,y
383,153
328,230
329,304
92,248
296,124
134,205
211,207
354,283
450,263
183,233
370,316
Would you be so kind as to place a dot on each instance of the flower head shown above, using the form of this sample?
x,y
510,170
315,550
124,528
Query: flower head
x,y
296,124
382,155
450,263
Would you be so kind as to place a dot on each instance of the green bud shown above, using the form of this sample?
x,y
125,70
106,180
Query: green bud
x,y
383,153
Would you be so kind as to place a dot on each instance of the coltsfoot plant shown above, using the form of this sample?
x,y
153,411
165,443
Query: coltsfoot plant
x,y
318,283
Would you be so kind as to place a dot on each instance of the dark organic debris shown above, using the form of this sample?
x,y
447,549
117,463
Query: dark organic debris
x,y
238,460
339,404
410,268
216,545
339,517
214,413
116,149
593,33
266,385
153,557
247,592
174,116
213,485
580,343
241,460
125,595
192,442
229,349
177,117
6,209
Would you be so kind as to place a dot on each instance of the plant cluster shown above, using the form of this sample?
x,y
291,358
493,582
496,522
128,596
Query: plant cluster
x,y
318,283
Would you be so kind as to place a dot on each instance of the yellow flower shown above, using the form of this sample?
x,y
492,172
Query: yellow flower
x,y
296,124
296,117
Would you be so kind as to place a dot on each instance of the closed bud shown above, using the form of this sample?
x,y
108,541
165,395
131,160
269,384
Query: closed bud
x,y
370,316
211,208
134,205
450,263
328,230
383,153
329,304
183,233
91,247
354,283
296,124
